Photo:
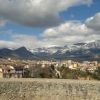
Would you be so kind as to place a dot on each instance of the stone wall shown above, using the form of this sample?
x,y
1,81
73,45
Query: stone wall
x,y
49,89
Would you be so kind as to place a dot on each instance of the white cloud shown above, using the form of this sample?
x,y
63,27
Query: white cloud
x,y
67,28
63,34
7,32
26,40
19,40
68,32
8,44
36,13
2,22
94,22
74,31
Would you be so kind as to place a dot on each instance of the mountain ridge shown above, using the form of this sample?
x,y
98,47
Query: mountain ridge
x,y
79,51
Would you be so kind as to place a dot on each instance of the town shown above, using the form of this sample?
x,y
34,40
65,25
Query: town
x,y
65,69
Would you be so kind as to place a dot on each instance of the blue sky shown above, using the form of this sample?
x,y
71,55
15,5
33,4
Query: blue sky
x,y
81,12
71,21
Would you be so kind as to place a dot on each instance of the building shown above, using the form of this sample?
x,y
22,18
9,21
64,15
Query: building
x,y
1,73
12,72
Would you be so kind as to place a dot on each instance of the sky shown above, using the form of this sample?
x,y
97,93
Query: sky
x,y
48,23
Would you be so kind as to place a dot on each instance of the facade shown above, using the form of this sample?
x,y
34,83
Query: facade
x,y
14,72
1,73
33,68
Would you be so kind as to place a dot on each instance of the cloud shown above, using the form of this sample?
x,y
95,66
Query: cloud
x,y
26,40
69,32
36,13
2,22
74,31
19,40
68,28
6,32
8,44
94,22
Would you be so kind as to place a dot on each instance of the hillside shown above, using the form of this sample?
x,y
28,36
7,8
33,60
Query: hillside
x,y
79,51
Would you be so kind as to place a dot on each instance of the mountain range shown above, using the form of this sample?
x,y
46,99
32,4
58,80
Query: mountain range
x,y
79,51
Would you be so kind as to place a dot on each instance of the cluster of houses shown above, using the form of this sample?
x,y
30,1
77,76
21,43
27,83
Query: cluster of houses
x,y
15,71
91,66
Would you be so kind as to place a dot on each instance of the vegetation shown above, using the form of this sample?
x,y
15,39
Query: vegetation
x,y
72,74
96,74
78,74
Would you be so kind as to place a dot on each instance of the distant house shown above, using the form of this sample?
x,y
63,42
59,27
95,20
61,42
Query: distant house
x,y
15,71
1,73
12,72
26,71
8,71
18,72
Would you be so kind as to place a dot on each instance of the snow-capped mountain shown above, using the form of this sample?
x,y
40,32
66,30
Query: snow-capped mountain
x,y
95,44
50,50
80,51
70,48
